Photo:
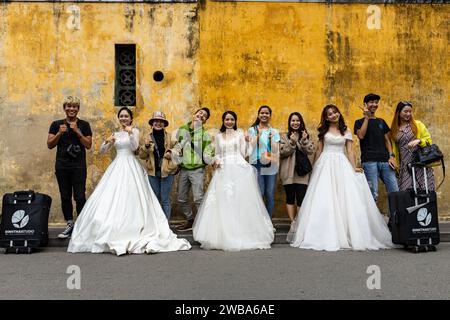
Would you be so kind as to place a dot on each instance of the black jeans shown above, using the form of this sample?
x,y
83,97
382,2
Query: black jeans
x,y
68,180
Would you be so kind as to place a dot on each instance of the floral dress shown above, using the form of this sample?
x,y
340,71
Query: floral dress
x,y
404,136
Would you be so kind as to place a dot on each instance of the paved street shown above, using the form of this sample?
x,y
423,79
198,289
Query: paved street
x,y
280,273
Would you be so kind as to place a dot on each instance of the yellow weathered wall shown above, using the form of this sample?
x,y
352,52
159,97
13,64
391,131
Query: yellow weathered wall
x,y
291,56
300,57
42,61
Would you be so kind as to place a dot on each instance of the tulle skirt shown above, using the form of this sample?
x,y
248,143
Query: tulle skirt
x,y
233,216
338,211
123,215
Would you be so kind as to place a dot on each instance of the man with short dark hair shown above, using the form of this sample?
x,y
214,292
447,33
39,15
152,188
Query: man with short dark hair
x,y
72,136
377,158
195,151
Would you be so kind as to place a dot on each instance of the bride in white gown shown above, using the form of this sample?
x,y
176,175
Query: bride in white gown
x,y
233,215
338,211
123,214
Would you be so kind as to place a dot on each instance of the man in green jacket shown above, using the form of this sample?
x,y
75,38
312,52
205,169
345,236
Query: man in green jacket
x,y
194,151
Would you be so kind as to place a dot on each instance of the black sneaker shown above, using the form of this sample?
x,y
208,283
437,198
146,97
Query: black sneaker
x,y
67,232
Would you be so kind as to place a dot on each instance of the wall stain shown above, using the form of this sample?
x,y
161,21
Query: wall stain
x,y
57,12
151,15
129,14
192,32
340,72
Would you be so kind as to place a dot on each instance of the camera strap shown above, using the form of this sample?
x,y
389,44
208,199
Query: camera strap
x,y
160,157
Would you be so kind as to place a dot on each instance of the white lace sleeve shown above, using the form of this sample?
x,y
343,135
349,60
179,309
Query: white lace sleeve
x,y
217,158
245,147
105,147
348,135
134,139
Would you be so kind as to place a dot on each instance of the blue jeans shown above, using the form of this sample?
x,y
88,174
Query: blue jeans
x,y
374,170
162,188
267,188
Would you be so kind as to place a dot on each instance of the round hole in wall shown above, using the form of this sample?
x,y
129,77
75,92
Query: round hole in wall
x,y
158,76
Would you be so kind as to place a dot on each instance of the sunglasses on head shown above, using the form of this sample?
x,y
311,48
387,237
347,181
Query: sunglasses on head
x,y
407,103
403,104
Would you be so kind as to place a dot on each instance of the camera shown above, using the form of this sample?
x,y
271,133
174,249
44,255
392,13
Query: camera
x,y
73,150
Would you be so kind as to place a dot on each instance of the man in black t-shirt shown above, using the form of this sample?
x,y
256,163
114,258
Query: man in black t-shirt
x,y
72,136
377,158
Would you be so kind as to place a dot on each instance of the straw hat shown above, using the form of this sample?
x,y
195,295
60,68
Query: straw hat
x,y
158,115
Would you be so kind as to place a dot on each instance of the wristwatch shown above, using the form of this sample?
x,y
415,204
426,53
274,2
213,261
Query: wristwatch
x,y
392,155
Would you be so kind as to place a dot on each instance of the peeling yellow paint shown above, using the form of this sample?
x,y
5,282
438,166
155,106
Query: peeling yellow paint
x,y
300,57
238,56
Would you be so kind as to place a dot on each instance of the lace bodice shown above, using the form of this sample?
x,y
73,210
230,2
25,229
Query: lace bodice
x,y
232,147
336,143
125,143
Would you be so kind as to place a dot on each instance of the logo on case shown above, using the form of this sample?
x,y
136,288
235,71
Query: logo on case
x,y
19,219
424,217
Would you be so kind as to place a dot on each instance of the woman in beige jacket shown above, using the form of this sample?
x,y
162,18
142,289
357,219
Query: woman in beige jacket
x,y
160,167
294,141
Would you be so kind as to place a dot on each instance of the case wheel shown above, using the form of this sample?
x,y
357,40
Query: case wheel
x,y
431,248
18,250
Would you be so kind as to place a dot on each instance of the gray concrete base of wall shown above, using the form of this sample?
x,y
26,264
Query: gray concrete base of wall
x,y
282,229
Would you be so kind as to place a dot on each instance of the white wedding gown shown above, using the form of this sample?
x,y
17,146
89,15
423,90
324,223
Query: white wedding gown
x,y
233,216
338,211
123,215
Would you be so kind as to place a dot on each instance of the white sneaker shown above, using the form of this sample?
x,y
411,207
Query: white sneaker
x,y
67,232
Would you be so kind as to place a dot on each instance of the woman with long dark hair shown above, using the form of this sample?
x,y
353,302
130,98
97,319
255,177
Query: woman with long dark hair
x,y
295,145
408,134
338,211
123,215
232,216
265,155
